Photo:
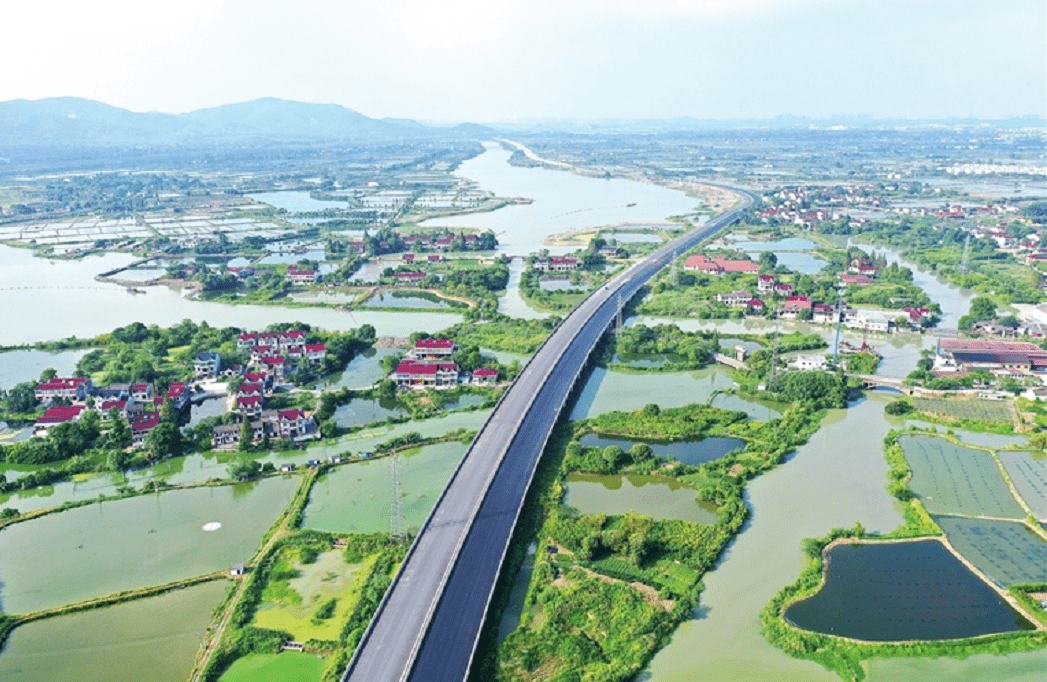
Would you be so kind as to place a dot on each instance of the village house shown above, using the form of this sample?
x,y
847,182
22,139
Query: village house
x,y
483,376
413,374
719,266
808,363
250,405
823,313
113,392
142,392
178,394
296,425
315,352
105,406
795,305
276,365
433,349
141,427
848,279
57,415
250,391
413,277
302,277
868,320
765,283
70,388
207,365
735,299
556,264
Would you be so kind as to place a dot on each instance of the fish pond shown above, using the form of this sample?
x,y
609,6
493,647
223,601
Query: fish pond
x,y
410,299
655,496
903,591
363,370
692,452
160,635
368,410
355,498
1028,472
1007,552
286,666
608,390
135,542
954,479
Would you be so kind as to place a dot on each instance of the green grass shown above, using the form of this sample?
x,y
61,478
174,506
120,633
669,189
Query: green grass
x,y
287,666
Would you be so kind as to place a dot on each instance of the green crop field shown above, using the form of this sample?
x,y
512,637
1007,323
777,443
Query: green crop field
x,y
998,411
953,479
287,666
1007,552
1028,472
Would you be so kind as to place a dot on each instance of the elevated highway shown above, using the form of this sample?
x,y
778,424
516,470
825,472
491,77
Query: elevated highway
x,y
427,626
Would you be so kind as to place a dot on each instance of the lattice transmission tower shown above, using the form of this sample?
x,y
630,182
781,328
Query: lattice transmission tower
x,y
397,516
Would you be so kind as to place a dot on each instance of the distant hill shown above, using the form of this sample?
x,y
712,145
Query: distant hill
x,y
70,121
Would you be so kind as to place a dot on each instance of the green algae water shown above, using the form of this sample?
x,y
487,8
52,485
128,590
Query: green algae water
x,y
655,496
355,498
155,539
153,639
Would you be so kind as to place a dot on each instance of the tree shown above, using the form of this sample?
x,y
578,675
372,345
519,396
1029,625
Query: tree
x,y
119,436
246,435
982,309
244,469
768,260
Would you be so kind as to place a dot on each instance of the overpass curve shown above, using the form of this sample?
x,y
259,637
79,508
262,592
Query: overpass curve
x,y
428,624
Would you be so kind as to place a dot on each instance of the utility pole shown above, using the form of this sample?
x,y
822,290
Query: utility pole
x,y
397,517
839,321
774,353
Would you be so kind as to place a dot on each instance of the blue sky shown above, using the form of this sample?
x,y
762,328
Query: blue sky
x,y
487,61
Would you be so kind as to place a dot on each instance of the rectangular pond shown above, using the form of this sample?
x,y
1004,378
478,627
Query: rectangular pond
x,y
356,497
655,496
950,478
107,547
1028,472
1007,552
160,635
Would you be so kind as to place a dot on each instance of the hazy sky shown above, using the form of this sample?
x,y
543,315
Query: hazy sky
x,y
491,60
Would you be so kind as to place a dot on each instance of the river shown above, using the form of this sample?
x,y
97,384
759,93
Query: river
x,y
46,300
562,201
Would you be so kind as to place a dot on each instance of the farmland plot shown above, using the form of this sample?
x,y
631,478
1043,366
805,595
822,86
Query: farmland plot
x,y
977,410
1007,552
952,479
1028,472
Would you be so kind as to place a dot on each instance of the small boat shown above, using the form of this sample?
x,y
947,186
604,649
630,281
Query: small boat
x,y
630,205
133,290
